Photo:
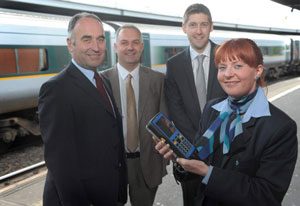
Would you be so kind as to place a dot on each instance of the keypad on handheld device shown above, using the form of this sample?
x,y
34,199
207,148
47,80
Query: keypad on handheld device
x,y
162,127
182,144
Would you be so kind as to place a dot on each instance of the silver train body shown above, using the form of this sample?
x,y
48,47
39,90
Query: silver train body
x,y
33,49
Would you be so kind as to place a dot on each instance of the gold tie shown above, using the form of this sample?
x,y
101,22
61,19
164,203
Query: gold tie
x,y
132,126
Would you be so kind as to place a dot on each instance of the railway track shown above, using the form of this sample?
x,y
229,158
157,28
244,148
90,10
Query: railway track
x,y
21,174
23,159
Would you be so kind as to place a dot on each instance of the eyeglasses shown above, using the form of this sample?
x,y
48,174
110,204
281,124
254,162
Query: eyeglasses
x,y
202,25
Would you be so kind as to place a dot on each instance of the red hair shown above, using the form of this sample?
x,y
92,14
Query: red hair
x,y
242,49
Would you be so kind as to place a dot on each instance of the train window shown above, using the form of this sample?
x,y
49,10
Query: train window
x,y
272,50
31,60
171,51
22,60
162,53
7,61
277,50
264,50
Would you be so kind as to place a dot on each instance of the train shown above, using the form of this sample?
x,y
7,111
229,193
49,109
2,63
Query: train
x,y
33,49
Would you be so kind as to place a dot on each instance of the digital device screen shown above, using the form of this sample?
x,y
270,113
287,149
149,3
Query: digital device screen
x,y
166,126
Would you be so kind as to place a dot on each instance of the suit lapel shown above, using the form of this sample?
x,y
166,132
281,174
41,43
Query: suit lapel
x,y
115,84
239,144
188,72
212,74
144,85
82,82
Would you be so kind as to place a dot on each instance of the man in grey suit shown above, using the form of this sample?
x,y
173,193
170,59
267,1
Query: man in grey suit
x,y
130,80
182,85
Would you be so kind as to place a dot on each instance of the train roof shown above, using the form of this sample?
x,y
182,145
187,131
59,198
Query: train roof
x,y
254,36
153,29
173,30
39,23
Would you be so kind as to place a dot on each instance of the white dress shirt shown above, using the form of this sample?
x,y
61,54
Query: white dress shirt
x,y
122,72
206,61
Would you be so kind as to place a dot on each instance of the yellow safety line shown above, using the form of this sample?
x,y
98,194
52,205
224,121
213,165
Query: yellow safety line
x,y
27,76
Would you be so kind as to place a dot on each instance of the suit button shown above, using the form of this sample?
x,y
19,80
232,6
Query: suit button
x,y
118,166
237,163
116,146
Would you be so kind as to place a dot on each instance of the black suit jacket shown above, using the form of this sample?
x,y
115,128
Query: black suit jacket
x,y
259,166
181,94
83,141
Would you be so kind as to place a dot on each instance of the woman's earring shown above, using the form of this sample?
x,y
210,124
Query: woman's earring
x,y
257,77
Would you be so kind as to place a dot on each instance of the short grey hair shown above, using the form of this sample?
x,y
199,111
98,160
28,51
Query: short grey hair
x,y
79,16
129,26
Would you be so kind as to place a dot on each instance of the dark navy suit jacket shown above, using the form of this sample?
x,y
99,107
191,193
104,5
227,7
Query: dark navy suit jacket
x,y
84,149
259,166
181,94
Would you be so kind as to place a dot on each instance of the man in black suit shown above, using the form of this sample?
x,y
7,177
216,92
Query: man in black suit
x,y
81,127
181,92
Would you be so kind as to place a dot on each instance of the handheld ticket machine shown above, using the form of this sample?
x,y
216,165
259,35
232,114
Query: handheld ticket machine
x,y
162,127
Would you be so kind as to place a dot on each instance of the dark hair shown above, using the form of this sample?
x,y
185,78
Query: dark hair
x,y
129,26
242,49
79,16
196,9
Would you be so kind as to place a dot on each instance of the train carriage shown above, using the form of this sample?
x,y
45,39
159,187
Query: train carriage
x,y
33,49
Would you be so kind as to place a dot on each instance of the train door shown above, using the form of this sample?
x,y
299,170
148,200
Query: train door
x,y
145,59
107,63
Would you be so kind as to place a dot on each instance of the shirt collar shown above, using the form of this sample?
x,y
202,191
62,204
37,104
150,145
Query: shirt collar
x,y
124,72
87,72
258,108
206,51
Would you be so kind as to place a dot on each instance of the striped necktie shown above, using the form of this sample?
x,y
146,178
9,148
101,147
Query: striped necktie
x,y
230,124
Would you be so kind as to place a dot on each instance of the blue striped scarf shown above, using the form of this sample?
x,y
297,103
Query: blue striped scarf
x,y
230,123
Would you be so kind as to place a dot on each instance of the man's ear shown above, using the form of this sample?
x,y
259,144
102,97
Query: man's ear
x,y
211,27
70,45
183,27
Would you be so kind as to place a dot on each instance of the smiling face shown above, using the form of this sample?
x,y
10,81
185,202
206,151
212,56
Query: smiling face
x,y
198,28
237,78
129,47
87,43
240,67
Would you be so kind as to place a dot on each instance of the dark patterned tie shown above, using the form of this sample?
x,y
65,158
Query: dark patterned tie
x,y
101,89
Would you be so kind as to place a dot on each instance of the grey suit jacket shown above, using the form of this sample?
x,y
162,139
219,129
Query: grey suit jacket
x,y
181,94
151,101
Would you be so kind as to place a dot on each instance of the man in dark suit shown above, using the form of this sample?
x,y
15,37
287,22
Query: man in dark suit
x,y
182,84
81,127
145,166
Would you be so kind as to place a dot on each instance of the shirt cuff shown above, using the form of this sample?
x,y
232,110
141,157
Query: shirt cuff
x,y
207,176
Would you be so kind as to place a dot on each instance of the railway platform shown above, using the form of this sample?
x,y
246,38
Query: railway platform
x,y
27,192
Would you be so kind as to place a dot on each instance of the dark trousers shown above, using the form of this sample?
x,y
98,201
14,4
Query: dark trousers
x,y
189,191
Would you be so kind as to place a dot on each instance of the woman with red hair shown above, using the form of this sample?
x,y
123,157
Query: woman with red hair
x,y
247,146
